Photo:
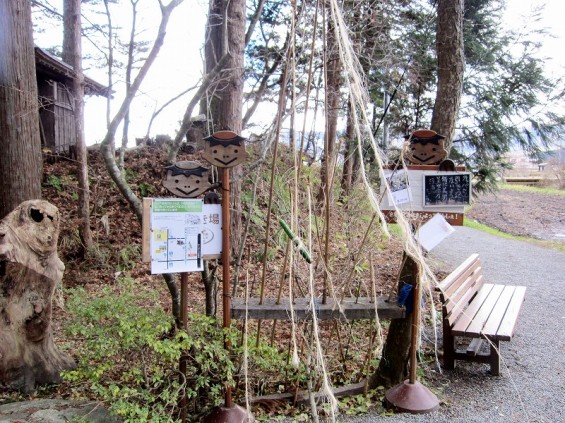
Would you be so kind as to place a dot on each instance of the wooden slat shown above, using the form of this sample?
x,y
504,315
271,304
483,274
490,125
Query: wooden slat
x,y
302,397
453,276
506,329
469,280
499,311
456,304
352,309
476,326
467,315
474,347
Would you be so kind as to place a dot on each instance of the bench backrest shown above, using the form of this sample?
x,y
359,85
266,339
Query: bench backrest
x,y
459,288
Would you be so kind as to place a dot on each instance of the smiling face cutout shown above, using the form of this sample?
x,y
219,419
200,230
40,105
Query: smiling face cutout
x,y
425,147
224,149
187,179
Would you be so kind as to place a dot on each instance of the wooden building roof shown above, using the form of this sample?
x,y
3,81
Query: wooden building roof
x,y
54,68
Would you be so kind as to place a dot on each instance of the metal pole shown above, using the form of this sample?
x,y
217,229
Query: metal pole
x,y
226,266
415,322
184,320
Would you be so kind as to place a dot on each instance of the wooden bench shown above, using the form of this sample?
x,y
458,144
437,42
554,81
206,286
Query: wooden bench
x,y
477,310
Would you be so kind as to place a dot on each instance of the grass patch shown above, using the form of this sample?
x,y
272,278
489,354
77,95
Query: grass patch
x,y
538,190
554,245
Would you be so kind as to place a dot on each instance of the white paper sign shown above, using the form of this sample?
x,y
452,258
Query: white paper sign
x,y
399,188
433,232
176,235
211,231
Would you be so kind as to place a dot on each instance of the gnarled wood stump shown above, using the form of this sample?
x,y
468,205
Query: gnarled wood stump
x,y
29,271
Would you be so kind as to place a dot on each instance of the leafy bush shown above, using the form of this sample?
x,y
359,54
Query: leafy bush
x,y
55,182
128,353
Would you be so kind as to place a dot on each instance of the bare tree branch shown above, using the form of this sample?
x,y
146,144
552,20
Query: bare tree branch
x,y
186,122
109,140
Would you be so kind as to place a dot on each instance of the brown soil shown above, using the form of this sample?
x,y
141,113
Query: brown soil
x,y
528,214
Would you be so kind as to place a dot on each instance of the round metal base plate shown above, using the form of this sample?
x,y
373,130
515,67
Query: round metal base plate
x,y
412,398
235,414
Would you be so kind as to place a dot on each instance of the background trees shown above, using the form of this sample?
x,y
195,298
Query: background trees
x,y
72,54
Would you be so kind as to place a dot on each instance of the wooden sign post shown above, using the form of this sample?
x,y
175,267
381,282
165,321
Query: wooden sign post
x,y
411,396
180,234
226,149
188,180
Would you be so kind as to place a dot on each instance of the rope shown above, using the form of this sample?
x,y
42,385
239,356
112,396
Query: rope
x,y
326,385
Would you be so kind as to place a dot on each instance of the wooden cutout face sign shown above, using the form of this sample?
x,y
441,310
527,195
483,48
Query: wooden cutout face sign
x,y
187,179
224,149
425,147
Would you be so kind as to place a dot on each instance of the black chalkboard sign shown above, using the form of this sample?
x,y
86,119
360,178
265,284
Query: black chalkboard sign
x,y
447,189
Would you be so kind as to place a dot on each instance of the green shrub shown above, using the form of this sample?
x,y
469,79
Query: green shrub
x,y
128,353
55,182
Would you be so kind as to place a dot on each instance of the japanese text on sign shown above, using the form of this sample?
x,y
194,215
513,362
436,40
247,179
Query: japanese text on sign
x,y
447,189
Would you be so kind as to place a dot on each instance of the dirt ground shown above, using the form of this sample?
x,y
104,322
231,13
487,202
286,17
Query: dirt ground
x,y
522,213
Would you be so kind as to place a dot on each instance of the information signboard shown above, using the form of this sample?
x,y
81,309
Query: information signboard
x,y
447,193
176,235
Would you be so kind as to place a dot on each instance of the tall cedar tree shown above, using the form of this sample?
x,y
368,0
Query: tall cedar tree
x,y
450,67
20,143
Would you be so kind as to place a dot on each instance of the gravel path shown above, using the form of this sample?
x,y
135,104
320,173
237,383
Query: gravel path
x,y
531,387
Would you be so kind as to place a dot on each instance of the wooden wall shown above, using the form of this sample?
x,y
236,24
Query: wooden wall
x,y
56,116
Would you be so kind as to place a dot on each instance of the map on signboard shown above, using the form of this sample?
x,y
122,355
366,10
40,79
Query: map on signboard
x,y
176,236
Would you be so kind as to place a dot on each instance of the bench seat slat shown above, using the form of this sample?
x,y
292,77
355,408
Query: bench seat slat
x,y
506,329
498,315
476,311
461,317
476,327
474,347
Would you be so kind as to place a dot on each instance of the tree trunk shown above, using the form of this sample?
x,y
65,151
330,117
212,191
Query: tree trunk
x,y
29,271
333,85
20,144
225,33
393,367
349,154
72,54
451,66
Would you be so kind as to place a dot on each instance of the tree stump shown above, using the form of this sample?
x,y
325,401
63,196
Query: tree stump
x,y
30,269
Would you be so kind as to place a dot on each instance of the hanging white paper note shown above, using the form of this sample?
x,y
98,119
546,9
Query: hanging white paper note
x,y
433,232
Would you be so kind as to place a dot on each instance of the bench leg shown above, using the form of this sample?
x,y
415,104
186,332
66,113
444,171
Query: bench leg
x,y
448,351
495,358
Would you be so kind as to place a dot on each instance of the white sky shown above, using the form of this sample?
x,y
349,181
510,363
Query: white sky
x,y
179,64
517,14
